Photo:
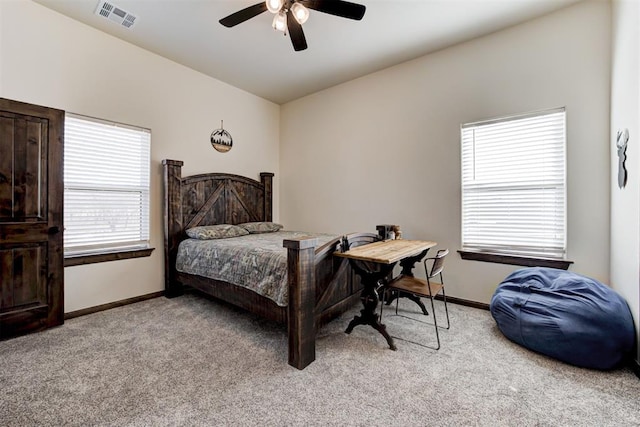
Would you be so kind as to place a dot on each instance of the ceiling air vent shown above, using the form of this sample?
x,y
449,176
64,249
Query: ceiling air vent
x,y
113,13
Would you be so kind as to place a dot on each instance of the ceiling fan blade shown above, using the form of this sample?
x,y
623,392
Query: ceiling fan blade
x,y
295,32
243,15
340,8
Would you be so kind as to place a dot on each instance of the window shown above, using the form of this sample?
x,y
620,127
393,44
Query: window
x,y
513,186
106,187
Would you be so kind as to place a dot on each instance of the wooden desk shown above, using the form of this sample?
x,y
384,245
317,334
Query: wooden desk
x,y
385,254
387,251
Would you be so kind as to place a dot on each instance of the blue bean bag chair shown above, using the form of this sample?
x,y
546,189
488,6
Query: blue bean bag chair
x,y
564,315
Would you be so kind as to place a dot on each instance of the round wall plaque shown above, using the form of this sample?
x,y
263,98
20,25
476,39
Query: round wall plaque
x,y
221,139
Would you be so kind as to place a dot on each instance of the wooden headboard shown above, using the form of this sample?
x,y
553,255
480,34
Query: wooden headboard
x,y
209,199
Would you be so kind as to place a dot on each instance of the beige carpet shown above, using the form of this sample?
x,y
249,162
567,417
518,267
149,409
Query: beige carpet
x,y
194,362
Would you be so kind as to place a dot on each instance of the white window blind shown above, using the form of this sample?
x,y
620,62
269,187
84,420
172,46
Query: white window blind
x,y
513,185
106,186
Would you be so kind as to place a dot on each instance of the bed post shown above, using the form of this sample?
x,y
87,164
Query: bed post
x,y
267,181
302,293
172,224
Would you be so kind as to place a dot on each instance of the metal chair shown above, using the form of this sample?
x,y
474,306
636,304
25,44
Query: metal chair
x,y
422,288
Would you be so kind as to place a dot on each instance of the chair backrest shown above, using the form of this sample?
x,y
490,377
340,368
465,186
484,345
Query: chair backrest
x,y
359,239
438,263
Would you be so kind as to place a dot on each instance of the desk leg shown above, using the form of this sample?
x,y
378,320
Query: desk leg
x,y
368,314
407,264
395,294
407,270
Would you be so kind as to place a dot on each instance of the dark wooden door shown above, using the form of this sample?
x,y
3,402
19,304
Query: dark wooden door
x,y
31,196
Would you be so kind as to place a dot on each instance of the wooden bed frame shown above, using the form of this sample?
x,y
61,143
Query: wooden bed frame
x,y
321,286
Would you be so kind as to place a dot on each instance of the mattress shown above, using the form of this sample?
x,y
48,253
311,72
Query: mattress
x,y
257,262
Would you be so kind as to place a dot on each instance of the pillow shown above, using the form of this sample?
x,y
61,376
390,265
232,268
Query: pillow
x,y
220,231
261,227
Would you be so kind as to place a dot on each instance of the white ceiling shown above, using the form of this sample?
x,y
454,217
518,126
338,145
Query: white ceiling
x,y
254,57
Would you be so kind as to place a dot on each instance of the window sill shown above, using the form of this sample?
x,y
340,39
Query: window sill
x,y
106,256
516,260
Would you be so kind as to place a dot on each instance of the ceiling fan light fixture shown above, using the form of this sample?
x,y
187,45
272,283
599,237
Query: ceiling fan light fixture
x,y
291,14
274,6
280,22
300,12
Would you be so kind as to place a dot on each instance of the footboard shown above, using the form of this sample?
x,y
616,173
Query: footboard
x,y
321,287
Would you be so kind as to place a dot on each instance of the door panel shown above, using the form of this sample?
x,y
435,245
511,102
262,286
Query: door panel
x,y
31,255
24,283
33,170
6,172
23,169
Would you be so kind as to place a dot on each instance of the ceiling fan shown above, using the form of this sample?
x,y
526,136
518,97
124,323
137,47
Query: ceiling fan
x,y
291,14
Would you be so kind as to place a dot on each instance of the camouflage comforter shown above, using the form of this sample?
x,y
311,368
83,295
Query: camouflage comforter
x,y
257,261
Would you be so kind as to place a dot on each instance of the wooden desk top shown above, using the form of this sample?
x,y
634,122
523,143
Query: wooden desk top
x,y
387,251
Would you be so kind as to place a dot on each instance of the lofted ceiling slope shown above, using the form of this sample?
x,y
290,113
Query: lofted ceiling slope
x,y
254,57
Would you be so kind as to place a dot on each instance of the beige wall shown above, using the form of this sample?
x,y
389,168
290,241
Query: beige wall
x,y
625,113
385,148
380,149
52,60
